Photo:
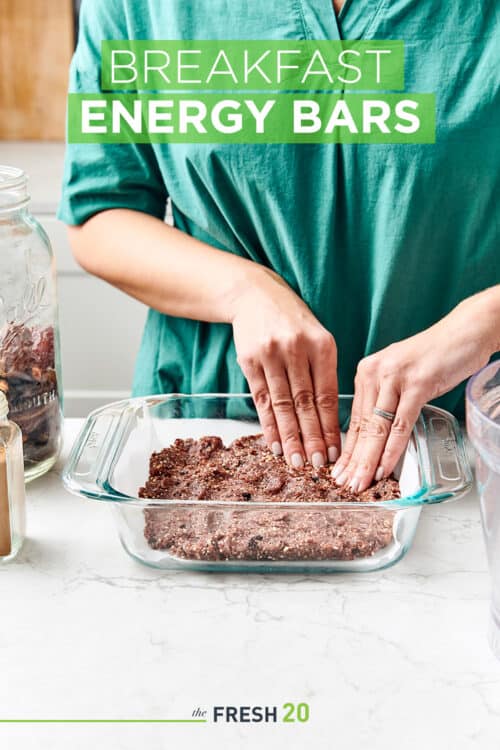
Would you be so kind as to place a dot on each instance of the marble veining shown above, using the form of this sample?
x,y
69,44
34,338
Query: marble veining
x,y
395,658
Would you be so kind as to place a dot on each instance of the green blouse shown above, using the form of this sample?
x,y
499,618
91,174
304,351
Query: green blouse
x,y
379,240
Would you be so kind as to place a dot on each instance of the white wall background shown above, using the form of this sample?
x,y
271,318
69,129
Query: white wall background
x,y
100,327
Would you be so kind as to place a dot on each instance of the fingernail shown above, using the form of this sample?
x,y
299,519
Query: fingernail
x,y
337,470
333,454
354,484
342,479
277,449
317,460
297,461
380,473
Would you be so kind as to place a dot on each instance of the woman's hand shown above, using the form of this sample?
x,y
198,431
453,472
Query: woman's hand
x,y
403,377
290,362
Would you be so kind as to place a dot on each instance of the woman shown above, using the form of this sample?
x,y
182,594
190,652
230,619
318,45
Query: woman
x,y
304,270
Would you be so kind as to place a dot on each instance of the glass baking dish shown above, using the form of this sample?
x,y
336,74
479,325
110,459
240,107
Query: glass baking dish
x,y
109,461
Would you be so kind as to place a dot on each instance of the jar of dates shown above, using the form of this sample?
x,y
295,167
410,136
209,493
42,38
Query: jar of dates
x,y
30,374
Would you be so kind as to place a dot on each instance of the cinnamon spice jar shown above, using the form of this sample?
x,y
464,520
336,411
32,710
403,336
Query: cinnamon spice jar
x,y
12,495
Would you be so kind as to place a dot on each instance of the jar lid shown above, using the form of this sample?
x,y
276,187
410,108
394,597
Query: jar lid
x,y
4,405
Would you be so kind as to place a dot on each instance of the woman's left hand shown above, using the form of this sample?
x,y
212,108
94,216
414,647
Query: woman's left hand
x,y
403,377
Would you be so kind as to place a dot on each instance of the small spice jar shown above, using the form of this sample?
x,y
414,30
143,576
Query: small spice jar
x,y
30,375
12,495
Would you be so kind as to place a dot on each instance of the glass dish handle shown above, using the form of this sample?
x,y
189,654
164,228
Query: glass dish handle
x,y
446,467
84,468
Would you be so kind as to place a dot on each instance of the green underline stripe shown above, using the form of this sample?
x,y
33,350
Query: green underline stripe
x,y
103,721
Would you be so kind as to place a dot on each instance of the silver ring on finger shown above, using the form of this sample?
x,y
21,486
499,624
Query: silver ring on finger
x,y
389,415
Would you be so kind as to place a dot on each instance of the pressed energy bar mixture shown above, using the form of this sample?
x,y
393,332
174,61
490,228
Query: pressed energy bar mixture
x,y
247,472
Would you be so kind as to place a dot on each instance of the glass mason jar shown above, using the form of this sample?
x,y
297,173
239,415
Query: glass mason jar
x,y
30,372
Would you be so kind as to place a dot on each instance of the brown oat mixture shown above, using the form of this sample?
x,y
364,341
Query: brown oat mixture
x,y
247,472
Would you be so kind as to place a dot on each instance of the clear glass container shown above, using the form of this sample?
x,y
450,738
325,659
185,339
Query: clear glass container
x,y
30,373
110,462
483,427
12,495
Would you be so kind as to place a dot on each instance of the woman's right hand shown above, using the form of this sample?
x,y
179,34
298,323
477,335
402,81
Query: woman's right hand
x,y
289,359
290,362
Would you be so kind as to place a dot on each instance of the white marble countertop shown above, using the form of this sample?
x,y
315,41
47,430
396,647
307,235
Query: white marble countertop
x,y
392,659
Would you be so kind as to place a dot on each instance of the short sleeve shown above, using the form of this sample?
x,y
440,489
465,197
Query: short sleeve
x,y
98,177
